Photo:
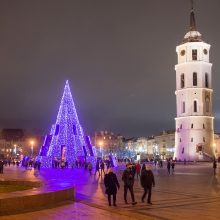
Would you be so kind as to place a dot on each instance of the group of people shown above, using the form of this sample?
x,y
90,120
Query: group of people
x,y
28,163
9,162
100,166
112,184
170,166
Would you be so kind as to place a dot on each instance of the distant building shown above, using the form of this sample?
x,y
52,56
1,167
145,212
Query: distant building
x,y
107,142
15,143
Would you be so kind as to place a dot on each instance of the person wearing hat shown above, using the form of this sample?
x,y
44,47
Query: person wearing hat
x,y
128,179
111,185
147,181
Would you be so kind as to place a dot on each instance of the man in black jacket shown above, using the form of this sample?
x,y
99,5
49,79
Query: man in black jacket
x,y
147,181
128,179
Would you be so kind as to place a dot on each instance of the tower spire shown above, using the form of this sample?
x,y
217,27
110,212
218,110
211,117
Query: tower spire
x,y
192,17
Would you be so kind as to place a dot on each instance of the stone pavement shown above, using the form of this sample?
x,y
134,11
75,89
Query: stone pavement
x,y
192,192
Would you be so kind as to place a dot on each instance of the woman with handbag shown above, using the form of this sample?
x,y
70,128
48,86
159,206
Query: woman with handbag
x,y
111,185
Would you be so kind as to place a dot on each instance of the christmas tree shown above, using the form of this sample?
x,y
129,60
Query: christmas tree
x,y
66,141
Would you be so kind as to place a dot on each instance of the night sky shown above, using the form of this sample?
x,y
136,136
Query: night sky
x,y
118,56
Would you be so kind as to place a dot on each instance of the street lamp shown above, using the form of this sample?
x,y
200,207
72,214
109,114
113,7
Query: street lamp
x,y
32,148
15,149
100,147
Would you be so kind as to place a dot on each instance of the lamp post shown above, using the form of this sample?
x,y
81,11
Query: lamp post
x,y
15,149
100,147
32,148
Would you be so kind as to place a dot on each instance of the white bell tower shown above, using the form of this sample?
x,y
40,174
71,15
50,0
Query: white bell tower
x,y
194,122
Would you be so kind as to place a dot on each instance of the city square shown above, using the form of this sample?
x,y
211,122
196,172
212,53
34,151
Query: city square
x,y
191,192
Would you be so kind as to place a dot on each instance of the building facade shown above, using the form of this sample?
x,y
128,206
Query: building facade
x,y
194,136
108,143
16,143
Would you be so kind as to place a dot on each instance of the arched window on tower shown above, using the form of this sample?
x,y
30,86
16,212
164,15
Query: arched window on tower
x,y
194,79
195,106
183,107
194,54
207,104
182,80
206,80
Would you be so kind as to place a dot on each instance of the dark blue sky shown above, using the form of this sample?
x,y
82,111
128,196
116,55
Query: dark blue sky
x,y
118,56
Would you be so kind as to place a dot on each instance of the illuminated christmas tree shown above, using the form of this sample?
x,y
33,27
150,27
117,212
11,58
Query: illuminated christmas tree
x,y
66,140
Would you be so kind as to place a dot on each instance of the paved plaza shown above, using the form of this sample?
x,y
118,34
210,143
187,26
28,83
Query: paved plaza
x,y
193,192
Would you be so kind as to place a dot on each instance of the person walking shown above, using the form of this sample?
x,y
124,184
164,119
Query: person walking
x,y
1,166
111,185
133,169
168,166
173,166
102,166
128,180
214,166
143,167
147,181
97,167
138,169
90,168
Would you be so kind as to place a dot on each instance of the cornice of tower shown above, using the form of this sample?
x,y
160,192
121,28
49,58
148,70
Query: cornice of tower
x,y
193,88
194,116
193,62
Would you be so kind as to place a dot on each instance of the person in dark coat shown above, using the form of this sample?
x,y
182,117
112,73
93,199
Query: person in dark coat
x,y
173,166
138,169
1,166
128,180
168,166
90,168
147,181
102,166
111,185
143,167
214,166
97,167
